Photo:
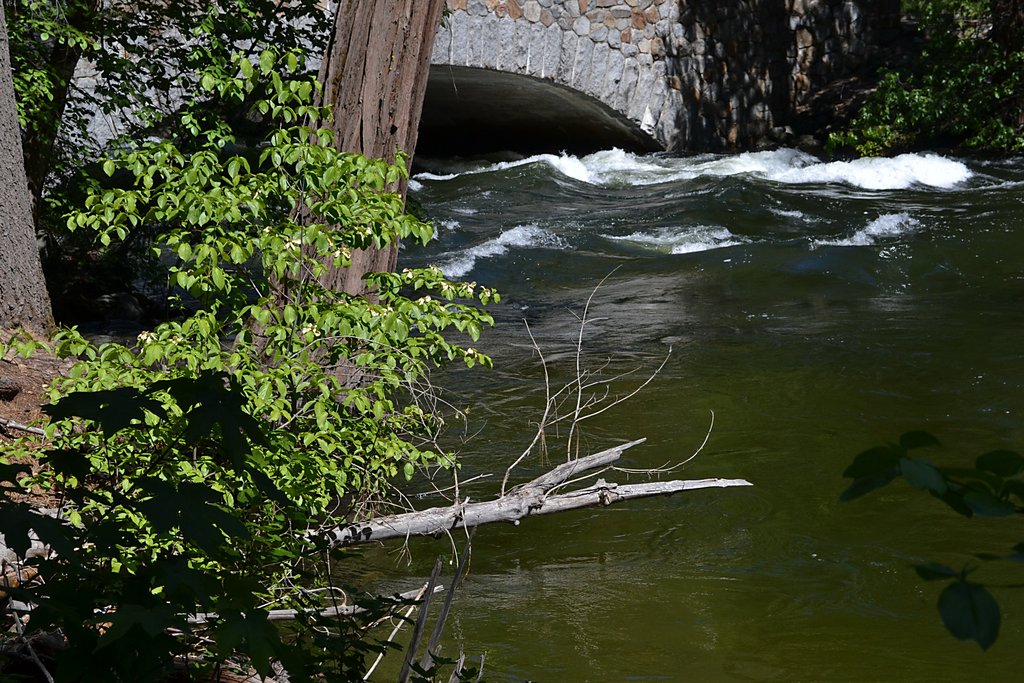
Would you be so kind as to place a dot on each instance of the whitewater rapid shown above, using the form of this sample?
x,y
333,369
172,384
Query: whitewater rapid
x,y
676,234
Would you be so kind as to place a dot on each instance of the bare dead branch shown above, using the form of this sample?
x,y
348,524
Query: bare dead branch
x,y
11,424
532,498
339,611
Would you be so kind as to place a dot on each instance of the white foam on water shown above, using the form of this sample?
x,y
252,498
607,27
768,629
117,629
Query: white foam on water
x,y
449,224
521,236
790,166
437,176
897,173
566,164
616,167
682,240
886,226
415,185
764,164
788,213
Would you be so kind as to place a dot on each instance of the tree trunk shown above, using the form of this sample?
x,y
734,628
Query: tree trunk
x,y
23,297
374,75
41,138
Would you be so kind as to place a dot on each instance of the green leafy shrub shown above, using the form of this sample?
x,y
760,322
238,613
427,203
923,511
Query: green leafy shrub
x,y
196,464
964,91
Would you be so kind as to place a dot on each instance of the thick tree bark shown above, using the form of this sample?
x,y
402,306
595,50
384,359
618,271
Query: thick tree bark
x,y
374,75
23,297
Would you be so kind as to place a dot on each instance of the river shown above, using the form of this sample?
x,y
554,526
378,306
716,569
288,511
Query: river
x,y
815,309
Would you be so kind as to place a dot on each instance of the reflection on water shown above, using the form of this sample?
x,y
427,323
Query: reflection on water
x,y
817,309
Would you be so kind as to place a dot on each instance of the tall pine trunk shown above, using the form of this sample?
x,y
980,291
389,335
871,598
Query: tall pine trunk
x,y
374,75
23,297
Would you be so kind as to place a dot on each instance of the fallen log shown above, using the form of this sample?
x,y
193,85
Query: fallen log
x,y
536,497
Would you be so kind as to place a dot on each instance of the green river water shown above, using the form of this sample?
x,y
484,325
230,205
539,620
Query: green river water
x,y
818,310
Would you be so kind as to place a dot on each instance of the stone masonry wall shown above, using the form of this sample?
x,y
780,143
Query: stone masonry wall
x,y
693,74
746,67
612,50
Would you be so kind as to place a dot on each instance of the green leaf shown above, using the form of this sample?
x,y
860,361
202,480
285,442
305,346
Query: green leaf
x,y
69,462
969,612
17,527
866,485
1003,463
923,475
210,400
918,439
266,61
874,462
250,633
955,500
127,617
13,472
872,469
192,508
112,409
984,504
1014,487
108,167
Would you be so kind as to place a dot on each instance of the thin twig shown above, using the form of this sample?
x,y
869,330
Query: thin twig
x,y
398,627
579,356
544,417
31,650
421,621
442,617
665,469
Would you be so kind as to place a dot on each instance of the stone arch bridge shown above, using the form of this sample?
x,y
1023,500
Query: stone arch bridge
x,y
673,75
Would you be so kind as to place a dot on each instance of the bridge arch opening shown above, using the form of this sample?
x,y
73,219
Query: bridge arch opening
x,y
478,112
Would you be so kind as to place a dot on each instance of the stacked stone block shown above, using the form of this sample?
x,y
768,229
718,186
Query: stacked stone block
x,y
693,74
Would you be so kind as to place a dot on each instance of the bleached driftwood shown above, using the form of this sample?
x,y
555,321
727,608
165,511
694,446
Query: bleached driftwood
x,y
536,497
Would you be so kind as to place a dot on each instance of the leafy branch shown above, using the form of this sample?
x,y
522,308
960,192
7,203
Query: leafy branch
x,y
994,487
